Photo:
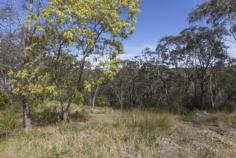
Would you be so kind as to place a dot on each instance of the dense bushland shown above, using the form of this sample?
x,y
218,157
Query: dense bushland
x,y
62,80
68,52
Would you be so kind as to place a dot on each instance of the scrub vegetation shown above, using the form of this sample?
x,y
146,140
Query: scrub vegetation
x,y
65,91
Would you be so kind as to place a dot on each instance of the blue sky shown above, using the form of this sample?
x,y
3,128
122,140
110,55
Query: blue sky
x,y
159,18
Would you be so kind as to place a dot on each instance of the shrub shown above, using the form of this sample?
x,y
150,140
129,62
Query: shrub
x,y
8,120
102,101
228,106
79,98
3,99
47,116
81,115
179,109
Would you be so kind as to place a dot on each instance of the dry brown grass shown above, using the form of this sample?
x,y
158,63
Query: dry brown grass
x,y
220,119
114,134
106,134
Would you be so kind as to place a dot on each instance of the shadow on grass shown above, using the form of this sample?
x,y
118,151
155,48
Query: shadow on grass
x,y
79,116
50,116
46,116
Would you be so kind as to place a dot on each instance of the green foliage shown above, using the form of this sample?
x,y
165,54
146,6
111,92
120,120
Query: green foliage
x,y
8,120
102,101
149,124
33,81
228,106
84,13
81,115
60,151
46,116
79,98
179,109
233,122
95,28
63,76
215,12
146,124
3,99
104,72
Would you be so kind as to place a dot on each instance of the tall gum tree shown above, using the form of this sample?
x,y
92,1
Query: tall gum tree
x,y
29,80
217,13
197,50
100,75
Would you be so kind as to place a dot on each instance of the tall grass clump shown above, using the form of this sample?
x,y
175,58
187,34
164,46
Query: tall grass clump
x,y
8,120
150,125
3,100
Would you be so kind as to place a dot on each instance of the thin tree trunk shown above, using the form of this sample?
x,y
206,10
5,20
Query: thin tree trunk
x,y
26,114
93,102
94,97
64,115
65,111
27,41
121,102
202,95
89,99
212,95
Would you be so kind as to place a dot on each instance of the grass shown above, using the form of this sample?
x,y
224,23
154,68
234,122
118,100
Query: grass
x,y
105,133
101,133
8,120
220,119
149,124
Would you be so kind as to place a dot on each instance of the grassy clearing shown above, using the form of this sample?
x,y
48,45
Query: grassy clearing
x,y
149,124
105,133
220,119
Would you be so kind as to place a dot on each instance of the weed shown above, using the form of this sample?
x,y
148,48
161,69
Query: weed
x,y
8,120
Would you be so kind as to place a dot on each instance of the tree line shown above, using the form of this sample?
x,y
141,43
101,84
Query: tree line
x,y
191,70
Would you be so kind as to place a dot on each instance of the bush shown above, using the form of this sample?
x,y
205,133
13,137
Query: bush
x,y
47,116
8,120
3,99
79,98
102,101
228,106
179,109
81,115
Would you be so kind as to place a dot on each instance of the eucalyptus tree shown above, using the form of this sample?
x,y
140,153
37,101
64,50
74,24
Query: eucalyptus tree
x,y
196,51
10,44
63,73
157,91
29,80
118,85
217,13
99,76
125,85
22,88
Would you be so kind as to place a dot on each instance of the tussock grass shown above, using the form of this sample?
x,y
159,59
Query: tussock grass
x,y
149,125
220,119
8,120
151,121
107,133
113,134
